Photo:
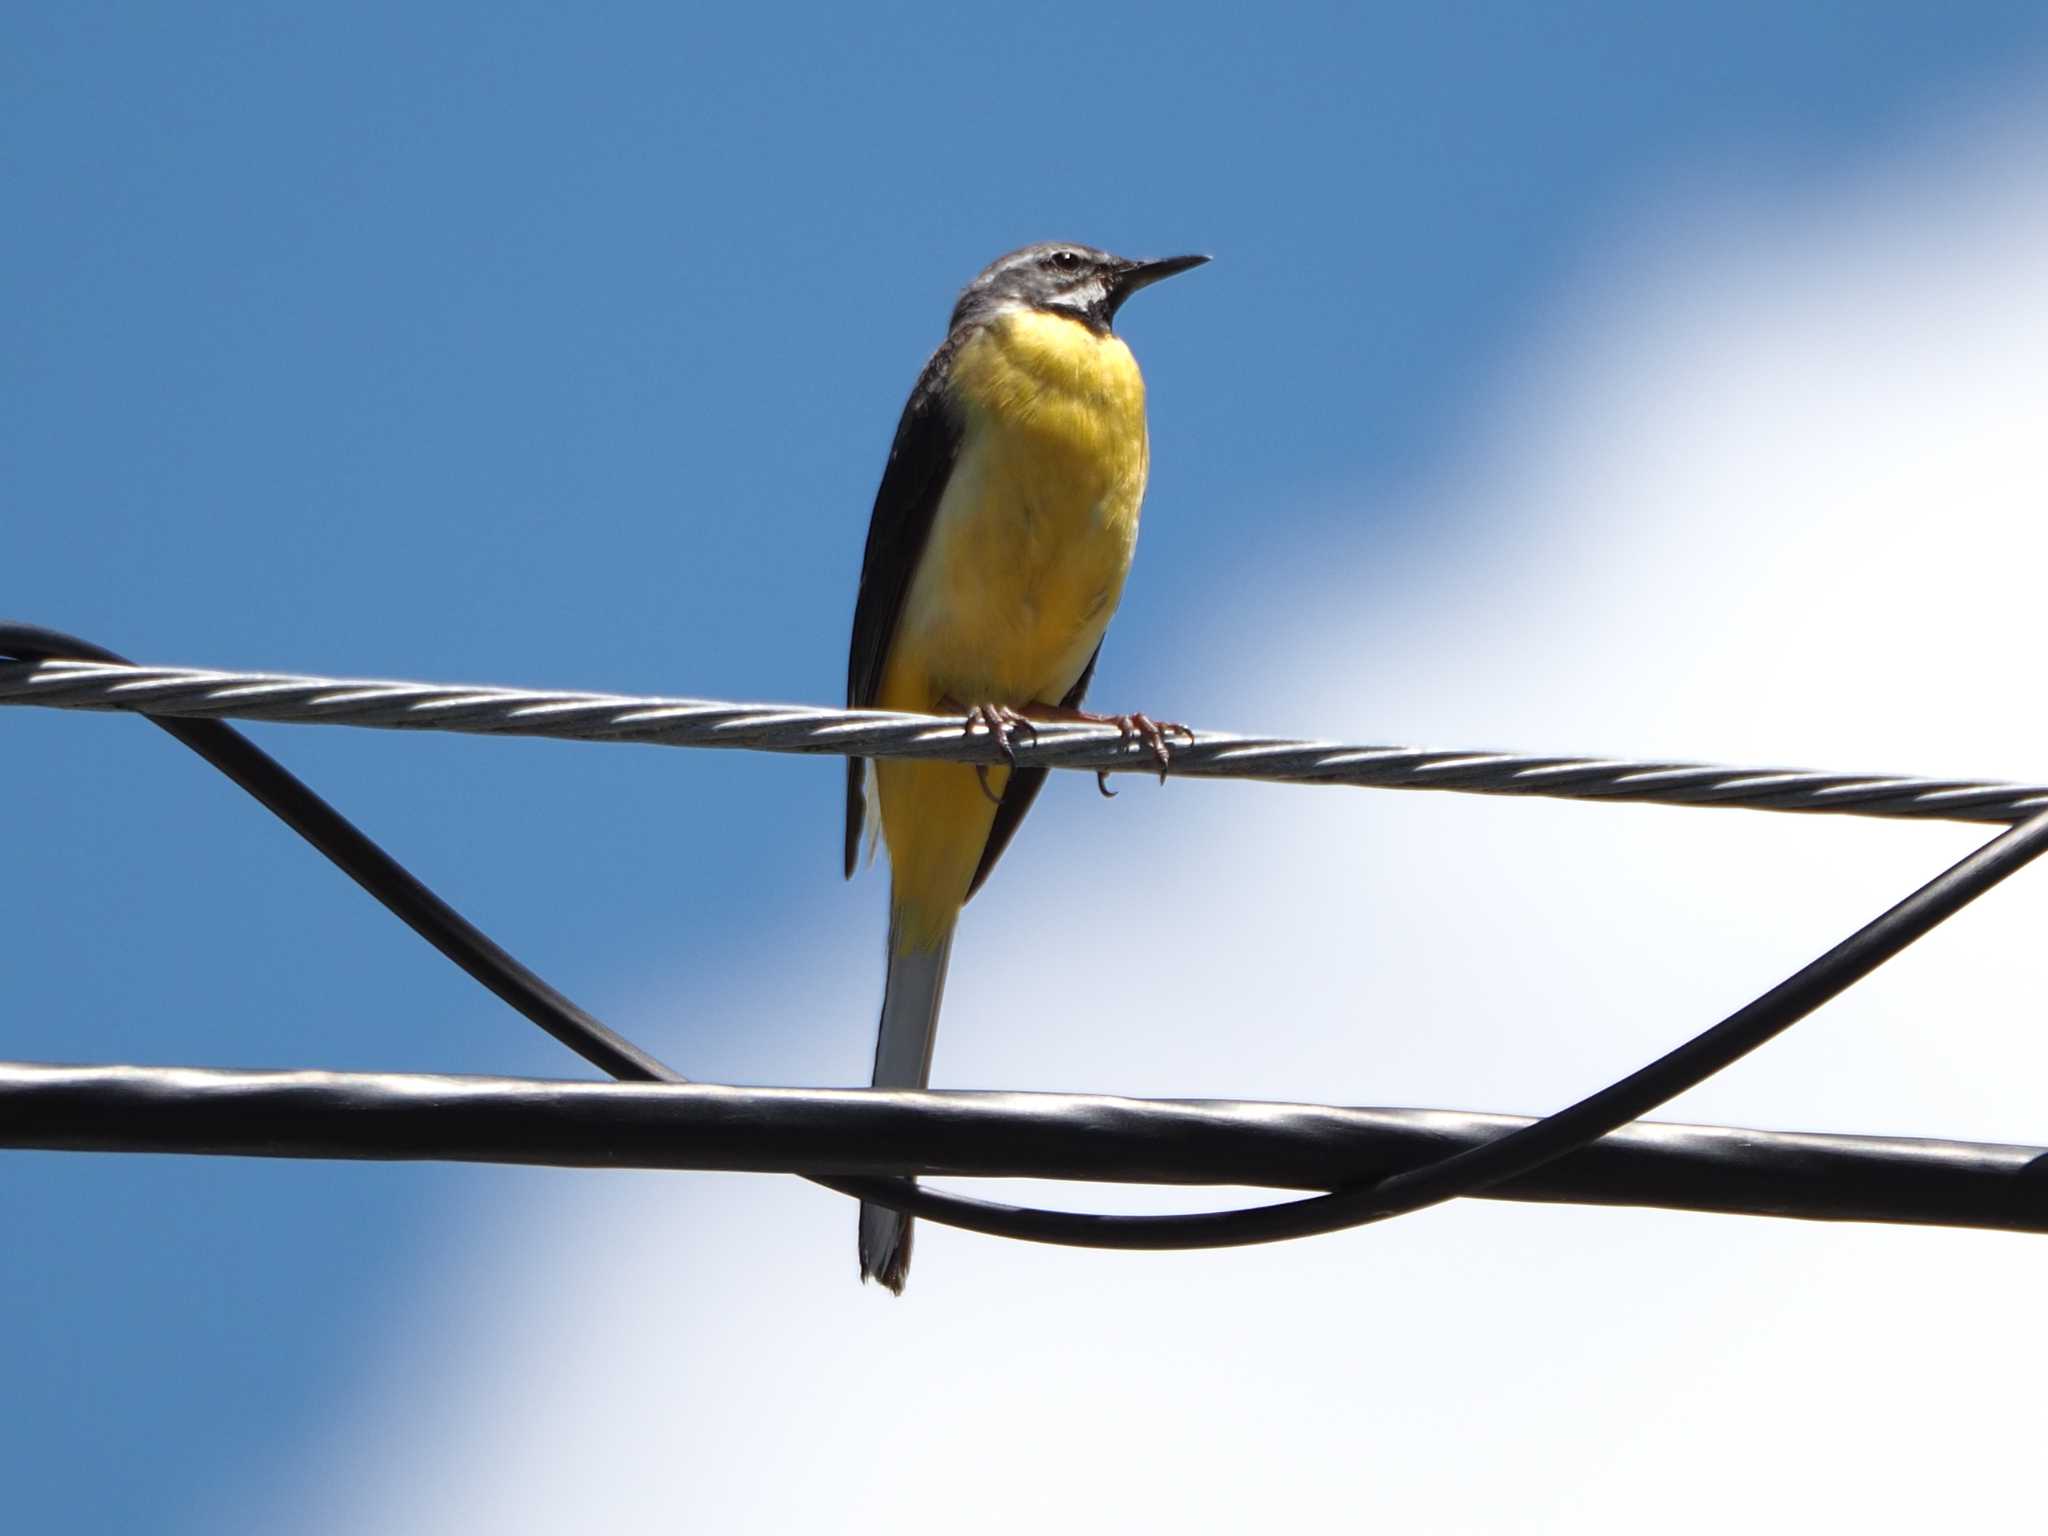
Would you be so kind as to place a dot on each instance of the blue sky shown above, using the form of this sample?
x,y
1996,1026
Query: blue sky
x,y
522,345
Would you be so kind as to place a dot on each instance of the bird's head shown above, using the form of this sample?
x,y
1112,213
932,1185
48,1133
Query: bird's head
x,y
1064,279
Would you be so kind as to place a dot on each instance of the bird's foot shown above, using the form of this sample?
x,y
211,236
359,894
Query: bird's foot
x,y
1001,722
1137,727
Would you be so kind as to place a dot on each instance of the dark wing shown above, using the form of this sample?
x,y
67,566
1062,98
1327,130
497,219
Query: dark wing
x,y
920,462
1023,788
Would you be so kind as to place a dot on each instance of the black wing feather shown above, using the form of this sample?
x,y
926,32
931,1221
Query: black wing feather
x,y
1022,789
920,462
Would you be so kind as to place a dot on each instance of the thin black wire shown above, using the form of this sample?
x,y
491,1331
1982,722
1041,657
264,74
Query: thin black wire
x,y
1507,1157
288,797
1521,1152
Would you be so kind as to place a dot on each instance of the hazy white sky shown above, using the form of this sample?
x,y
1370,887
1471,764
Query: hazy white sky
x,y
1767,489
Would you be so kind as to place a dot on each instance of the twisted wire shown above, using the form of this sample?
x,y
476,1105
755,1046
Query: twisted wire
x,y
286,698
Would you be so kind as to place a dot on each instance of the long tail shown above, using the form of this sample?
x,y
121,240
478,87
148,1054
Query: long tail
x,y
903,1059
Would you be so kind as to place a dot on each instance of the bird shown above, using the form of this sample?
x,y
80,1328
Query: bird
x,y
1002,533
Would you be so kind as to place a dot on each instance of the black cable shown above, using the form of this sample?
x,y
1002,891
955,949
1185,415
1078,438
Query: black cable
x,y
1509,1156
858,1131
391,883
1523,1151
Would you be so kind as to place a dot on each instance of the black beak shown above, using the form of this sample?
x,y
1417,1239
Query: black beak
x,y
1143,274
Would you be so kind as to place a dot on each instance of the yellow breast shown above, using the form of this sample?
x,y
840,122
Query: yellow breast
x,y
1024,566
1034,536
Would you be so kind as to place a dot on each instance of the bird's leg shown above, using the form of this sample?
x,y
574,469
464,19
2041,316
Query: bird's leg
x,y
999,720
1137,727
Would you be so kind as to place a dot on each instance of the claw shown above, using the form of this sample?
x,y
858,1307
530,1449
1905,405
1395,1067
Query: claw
x,y
1000,721
1153,733
1145,729
1130,728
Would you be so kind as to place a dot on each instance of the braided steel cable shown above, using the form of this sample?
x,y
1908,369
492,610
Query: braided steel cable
x,y
286,698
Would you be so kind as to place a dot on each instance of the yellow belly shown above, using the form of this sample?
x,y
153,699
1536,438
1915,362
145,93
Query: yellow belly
x,y
1024,566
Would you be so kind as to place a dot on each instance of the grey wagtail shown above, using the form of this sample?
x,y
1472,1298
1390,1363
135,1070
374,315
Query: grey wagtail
x,y
1001,537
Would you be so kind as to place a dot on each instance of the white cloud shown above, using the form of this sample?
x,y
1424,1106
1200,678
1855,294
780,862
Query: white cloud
x,y
1776,494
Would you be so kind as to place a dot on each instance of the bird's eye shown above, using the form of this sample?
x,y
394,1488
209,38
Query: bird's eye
x,y
1066,261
